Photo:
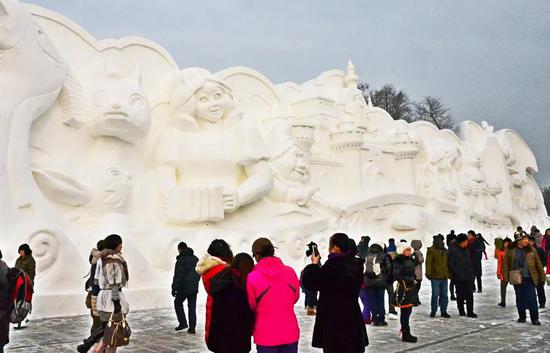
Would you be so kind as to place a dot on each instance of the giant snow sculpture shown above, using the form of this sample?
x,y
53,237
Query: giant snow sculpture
x,y
98,137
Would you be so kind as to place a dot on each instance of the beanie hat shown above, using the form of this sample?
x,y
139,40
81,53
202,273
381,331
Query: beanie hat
x,y
416,244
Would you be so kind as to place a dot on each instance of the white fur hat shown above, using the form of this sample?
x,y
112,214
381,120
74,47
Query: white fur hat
x,y
403,245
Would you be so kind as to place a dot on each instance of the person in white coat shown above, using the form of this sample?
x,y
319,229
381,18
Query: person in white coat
x,y
111,275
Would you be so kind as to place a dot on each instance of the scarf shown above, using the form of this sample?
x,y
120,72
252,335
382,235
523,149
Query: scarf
x,y
115,268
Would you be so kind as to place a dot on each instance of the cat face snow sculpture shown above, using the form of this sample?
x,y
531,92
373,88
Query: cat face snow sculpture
x,y
118,105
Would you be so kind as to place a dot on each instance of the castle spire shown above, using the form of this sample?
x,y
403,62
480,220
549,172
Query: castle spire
x,y
351,78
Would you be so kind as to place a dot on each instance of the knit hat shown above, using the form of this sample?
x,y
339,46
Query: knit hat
x,y
403,245
416,244
522,235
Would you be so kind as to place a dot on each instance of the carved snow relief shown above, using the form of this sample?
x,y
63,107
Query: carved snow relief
x,y
100,137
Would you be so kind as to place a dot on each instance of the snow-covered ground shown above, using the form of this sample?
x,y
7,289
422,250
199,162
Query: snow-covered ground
x,y
495,330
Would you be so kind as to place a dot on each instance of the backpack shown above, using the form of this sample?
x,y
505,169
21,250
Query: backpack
x,y
376,270
22,297
373,267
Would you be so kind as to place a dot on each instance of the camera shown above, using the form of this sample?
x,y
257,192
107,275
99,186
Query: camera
x,y
312,249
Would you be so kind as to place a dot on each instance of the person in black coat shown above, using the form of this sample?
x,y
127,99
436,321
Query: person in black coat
x,y
363,246
232,320
185,286
378,266
406,293
477,249
541,295
339,326
5,303
461,271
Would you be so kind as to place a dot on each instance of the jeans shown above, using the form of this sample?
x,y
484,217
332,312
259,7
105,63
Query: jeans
x,y
376,298
284,348
311,298
404,318
439,295
503,286
191,306
465,293
366,305
541,295
526,298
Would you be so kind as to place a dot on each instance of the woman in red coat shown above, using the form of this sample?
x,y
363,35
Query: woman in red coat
x,y
218,257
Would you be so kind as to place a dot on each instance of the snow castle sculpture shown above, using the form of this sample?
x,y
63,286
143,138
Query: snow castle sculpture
x,y
98,137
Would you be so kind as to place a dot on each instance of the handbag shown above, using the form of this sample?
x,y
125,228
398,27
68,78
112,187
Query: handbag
x,y
117,332
515,277
404,295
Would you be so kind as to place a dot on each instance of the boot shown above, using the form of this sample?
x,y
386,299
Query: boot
x,y
407,337
90,341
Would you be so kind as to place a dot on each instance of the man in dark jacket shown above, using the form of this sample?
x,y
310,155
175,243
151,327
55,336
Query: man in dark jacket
x,y
437,271
339,326
450,237
377,268
185,286
363,247
460,267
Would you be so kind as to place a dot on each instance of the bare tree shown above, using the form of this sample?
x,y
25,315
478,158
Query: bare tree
x,y
364,88
396,103
431,109
546,195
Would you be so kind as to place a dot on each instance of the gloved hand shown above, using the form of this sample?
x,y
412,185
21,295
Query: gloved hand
x,y
117,306
174,293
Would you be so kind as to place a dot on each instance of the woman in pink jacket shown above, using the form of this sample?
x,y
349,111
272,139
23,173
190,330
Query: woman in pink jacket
x,y
273,289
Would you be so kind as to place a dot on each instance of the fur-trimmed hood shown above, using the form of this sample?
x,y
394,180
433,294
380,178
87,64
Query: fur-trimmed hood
x,y
207,262
94,256
115,269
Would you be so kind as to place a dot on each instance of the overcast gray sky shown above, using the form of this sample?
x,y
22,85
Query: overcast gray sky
x,y
487,60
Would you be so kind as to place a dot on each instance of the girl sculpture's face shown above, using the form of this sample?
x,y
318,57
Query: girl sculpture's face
x,y
212,102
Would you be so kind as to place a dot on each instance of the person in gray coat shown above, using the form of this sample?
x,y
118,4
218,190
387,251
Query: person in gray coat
x,y
419,256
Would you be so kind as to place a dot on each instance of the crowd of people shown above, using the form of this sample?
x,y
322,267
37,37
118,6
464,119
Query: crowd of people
x,y
247,300
252,298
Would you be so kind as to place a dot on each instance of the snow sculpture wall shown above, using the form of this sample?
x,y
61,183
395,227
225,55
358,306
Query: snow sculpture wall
x,y
98,137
